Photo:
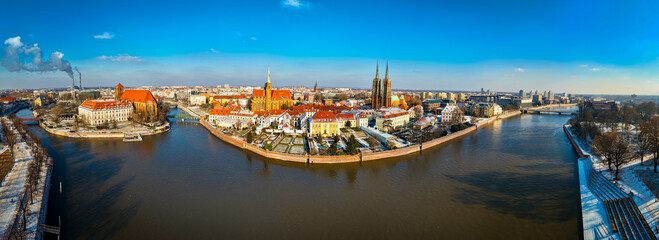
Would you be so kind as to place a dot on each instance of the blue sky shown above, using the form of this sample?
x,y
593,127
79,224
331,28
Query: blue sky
x,y
575,46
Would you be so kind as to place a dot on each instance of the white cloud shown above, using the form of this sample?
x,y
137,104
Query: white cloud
x,y
253,38
105,35
595,69
121,58
15,42
296,4
519,70
215,51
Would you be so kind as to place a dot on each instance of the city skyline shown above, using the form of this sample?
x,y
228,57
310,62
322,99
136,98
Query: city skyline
x,y
566,47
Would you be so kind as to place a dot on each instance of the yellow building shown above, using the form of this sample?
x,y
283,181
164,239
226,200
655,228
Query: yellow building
x,y
268,99
324,123
451,96
38,102
461,97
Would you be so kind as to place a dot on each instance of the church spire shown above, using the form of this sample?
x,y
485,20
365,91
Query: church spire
x,y
387,73
377,76
268,74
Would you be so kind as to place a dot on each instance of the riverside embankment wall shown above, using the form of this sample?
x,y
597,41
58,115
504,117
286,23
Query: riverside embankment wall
x,y
582,153
368,156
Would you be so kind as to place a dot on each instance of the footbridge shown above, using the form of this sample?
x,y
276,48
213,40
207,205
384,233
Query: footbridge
x,y
547,111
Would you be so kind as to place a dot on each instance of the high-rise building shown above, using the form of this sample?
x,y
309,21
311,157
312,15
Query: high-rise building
x,y
522,94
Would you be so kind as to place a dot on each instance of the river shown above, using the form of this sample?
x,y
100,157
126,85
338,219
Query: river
x,y
515,179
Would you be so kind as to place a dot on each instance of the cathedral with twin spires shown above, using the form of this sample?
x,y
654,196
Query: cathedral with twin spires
x,y
381,94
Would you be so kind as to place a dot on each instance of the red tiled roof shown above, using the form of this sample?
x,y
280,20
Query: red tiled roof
x,y
395,114
119,85
221,112
345,116
320,107
138,96
324,117
7,99
281,95
294,112
258,93
276,94
101,105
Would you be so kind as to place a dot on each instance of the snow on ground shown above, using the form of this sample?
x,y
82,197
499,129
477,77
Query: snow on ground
x,y
595,222
14,186
629,182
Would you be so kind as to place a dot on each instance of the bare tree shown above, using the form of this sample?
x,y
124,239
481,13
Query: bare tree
x,y
613,147
651,131
458,116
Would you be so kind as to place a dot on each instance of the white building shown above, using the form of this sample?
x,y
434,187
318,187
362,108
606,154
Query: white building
x,y
96,112
197,99
362,120
449,112
496,109
398,117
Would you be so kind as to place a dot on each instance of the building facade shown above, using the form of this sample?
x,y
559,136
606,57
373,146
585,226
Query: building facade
x,y
324,123
392,117
144,104
197,99
97,112
450,113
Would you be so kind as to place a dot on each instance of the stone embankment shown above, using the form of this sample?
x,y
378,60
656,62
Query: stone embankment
x,y
370,156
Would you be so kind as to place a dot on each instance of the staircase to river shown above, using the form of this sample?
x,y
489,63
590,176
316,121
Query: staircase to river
x,y
623,213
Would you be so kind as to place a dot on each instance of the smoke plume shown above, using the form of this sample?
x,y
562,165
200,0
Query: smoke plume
x,y
79,77
19,57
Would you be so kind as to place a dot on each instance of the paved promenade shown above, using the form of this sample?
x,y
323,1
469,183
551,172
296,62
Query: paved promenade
x,y
14,186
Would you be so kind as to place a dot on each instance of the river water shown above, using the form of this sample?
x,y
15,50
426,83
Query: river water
x,y
515,179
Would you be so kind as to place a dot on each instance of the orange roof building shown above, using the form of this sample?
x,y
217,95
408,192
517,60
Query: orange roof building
x,y
268,99
144,104
7,99
104,104
137,96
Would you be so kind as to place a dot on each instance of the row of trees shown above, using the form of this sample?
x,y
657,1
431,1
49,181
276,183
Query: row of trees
x,y
618,145
35,167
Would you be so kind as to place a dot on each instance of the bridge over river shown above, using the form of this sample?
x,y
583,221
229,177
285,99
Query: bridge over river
x,y
547,111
